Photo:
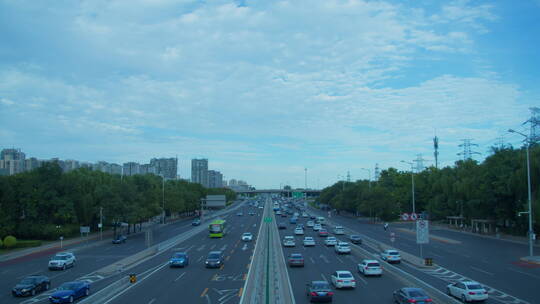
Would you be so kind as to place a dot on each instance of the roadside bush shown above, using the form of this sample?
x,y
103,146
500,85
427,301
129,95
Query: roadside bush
x,y
27,243
10,241
1,243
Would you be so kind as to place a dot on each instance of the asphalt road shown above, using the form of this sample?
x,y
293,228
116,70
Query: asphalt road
x,y
196,283
494,263
321,261
91,257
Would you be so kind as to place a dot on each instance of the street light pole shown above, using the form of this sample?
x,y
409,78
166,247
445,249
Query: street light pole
x,y
531,232
412,183
163,196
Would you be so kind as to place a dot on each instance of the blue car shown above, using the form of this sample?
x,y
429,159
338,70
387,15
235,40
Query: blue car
x,y
179,259
70,291
196,222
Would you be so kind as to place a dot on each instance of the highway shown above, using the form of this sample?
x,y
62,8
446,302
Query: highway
x,y
493,263
196,283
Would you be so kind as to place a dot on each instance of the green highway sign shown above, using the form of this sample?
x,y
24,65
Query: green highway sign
x,y
267,219
296,194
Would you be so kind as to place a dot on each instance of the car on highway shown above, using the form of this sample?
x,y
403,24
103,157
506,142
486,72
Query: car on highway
x,y
288,241
31,285
467,291
343,279
299,231
295,259
119,239
214,259
283,214
247,237
355,239
240,213
330,241
342,248
196,222
339,230
323,233
278,212
309,241
251,213
319,291
62,260
70,291
312,217
317,227
391,256
261,207
293,220
179,259
310,224
408,295
370,267
282,225
305,215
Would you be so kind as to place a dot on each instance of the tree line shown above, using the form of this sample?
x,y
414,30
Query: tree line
x,y
45,203
495,189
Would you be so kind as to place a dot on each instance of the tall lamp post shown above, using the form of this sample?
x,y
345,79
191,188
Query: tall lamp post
x,y
163,196
412,182
531,232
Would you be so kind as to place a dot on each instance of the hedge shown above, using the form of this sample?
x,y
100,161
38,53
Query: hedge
x,y
10,241
27,243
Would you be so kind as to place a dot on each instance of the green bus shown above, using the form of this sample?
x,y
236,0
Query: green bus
x,y
217,228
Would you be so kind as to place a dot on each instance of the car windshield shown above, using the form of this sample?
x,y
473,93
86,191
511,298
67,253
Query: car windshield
x,y
345,275
213,256
60,257
373,265
320,286
179,256
393,253
68,286
28,281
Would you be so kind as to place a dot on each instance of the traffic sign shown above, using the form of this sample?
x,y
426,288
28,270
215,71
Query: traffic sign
x,y
405,217
267,219
414,216
422,232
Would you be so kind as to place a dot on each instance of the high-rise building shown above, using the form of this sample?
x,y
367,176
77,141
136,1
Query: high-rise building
x,y
167,167
71,164
131,168
12,161
215,179
199,171
116,169
32,163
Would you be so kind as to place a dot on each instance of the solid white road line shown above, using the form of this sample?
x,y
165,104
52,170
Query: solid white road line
x,y
152,301
179,277
527,274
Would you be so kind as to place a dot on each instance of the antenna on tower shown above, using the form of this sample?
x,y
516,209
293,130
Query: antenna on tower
x,y
436,153
467,152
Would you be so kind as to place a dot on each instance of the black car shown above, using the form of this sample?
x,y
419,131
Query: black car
x,y
355,239
119,239
214,259
312,217
31,285
196,222
282,225
411,295
319,291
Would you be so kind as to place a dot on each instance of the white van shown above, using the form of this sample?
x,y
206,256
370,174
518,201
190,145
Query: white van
x,y
320,220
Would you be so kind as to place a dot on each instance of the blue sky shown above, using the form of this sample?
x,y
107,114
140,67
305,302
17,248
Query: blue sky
x,y
265,89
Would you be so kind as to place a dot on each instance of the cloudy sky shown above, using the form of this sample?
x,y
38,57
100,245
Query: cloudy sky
x,y
264,89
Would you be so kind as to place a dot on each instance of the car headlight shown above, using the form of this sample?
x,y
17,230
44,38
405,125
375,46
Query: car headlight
x,y
25,290
206,262
218,262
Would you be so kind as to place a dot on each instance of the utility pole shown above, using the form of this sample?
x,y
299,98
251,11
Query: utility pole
x,y
305,177
412,183
436,153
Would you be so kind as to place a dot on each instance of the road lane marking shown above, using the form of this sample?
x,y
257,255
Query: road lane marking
x,y
232,251
221,267
324,277
200,258
212,247
240,292
152,301
362,279
249,264
478,269
214,278
339,260
204,292
312,260
227,258
180,276
528,274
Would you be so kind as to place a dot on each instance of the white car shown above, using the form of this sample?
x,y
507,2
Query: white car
x,y
62,260
288,241
309,241
247,236
391,256
343,279
370,267
317,227
330,241
467,291
299,231
305,214
342,248
310,224
339,230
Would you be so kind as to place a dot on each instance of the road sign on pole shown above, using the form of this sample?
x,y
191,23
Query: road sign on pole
x,y
405,217
414,216
422,232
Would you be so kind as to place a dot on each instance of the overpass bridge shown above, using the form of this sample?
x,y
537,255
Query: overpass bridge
x,y
283,192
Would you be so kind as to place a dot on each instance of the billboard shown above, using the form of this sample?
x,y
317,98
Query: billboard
x,y
215,201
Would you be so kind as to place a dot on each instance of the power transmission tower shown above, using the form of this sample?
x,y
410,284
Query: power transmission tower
x,y
377,172
419,163
467,152
348,176
534,135
436,153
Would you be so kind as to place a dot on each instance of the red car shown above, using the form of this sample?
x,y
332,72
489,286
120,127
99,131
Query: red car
x,y
323,233
296,259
